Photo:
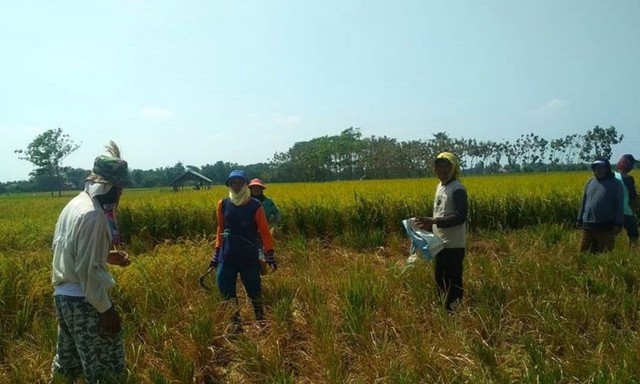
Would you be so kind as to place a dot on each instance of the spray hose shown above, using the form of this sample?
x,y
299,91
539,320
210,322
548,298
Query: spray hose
x,y
227,234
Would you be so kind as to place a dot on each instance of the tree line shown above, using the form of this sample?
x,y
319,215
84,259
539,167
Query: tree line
x,y
347,156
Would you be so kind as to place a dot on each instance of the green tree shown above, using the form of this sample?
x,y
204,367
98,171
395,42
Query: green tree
x,y
74,177
46,152
598,142
219,171
381,158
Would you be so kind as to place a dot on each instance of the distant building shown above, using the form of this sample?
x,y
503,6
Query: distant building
x,y
192,179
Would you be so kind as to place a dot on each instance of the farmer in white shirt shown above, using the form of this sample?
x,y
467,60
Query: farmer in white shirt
x,y
89,328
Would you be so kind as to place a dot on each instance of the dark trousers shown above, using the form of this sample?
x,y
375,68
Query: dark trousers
x,y
448,274
226,276
630,223
597,241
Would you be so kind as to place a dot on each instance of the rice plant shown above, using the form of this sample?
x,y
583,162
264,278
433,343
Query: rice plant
x,y
343,305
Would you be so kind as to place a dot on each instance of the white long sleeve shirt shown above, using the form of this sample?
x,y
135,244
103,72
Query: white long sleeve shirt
x,y
81,244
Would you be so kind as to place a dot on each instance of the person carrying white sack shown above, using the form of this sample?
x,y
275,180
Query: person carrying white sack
x,y
449,222
423,243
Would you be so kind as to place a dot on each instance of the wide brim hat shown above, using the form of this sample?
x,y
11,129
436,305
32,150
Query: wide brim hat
x,y
257,183
109,170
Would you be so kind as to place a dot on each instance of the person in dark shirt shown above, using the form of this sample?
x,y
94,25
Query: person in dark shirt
x,y
449,222
601,210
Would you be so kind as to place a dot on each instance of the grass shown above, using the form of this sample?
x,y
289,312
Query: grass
x,y
533,312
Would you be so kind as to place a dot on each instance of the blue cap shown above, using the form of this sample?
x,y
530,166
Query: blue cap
x,y
237,174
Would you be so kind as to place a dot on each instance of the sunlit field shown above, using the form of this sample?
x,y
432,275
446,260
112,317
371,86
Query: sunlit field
x,y
344,306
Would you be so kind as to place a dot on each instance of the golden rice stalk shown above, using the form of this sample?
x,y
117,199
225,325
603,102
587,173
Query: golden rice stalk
x,y
113,149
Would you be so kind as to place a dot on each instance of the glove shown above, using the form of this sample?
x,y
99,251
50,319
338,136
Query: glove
x,y
271,259
214,259
110,321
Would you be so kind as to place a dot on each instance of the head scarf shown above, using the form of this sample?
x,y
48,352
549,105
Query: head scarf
x,y
242,196
109,171
604,163
625,164
455,164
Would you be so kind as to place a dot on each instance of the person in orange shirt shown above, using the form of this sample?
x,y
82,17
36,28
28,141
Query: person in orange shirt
x,y
242,223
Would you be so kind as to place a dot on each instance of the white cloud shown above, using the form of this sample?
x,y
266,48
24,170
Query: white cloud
x,y
156,113
552,108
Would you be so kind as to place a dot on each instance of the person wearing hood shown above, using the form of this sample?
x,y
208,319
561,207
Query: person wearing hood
x,y
241,228
449,222
90,339
602,209
629,222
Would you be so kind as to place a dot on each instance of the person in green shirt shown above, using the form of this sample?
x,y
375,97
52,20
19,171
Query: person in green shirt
x,y
270,209
256,186
629,222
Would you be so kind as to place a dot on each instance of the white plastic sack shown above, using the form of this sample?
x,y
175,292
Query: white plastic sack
x,y
422,242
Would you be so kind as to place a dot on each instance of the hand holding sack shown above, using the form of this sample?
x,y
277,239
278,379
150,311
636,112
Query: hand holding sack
x,y
425,223
423,242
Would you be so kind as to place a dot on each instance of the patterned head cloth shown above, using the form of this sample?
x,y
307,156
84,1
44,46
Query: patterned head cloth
x,y
109,170
453,160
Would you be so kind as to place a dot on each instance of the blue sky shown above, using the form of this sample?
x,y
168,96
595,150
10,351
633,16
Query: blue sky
x,y
238,81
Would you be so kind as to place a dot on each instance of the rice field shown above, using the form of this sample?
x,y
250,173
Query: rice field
x,y
344,307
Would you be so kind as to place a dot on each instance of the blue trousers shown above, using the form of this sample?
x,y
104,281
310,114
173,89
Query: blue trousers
x,y
249,271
